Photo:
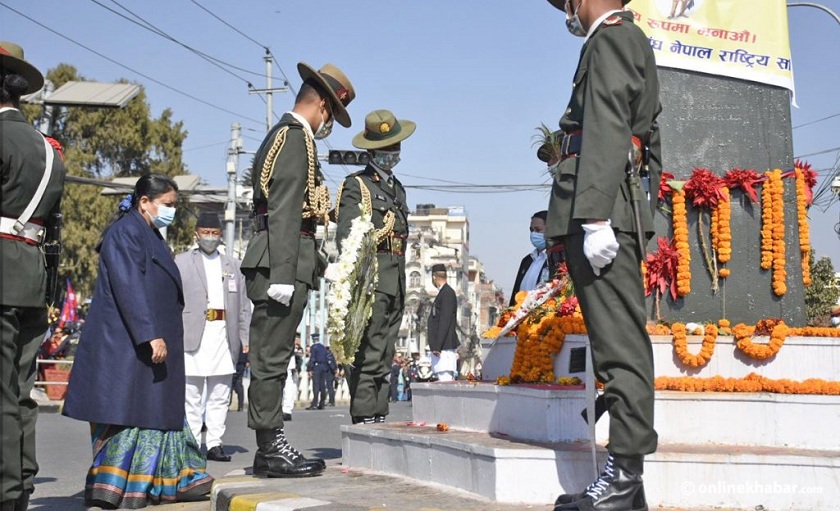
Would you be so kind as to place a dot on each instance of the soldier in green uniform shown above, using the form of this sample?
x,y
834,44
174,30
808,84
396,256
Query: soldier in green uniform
x,y
610,120
384,196
32,184
282,263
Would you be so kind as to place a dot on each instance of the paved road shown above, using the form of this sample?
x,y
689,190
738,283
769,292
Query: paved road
x,y
64,452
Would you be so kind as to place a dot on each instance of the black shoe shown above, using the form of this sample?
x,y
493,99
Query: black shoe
x,y
363,420
618,488
287,417
378,418
313,407
217,454
331,404
276,458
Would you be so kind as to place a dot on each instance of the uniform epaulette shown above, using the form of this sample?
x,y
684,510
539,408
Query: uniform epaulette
x,y
613,21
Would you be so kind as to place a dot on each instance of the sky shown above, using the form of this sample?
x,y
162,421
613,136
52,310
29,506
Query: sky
x,y
477,76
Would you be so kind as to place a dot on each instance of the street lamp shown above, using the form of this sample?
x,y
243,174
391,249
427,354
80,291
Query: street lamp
x,y
816,6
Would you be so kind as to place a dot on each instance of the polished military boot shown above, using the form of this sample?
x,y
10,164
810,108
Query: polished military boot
x,y
618,488
276,458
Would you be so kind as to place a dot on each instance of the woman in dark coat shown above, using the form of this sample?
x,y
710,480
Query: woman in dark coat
x,y
128,375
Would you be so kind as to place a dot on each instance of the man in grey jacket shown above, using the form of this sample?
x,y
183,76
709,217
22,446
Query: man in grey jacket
x,y
217,315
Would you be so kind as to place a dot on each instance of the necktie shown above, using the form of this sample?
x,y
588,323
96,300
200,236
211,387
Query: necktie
x,y
390,181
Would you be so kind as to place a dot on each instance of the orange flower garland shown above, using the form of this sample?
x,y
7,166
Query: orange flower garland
x,y
779,272
722,235
767,224
804,230
536,346
681,345
680,226
750,383
743,337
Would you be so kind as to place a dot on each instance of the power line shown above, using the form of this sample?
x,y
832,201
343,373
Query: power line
x,y
206,146
145,24
818,120
818,152
243,34
120,64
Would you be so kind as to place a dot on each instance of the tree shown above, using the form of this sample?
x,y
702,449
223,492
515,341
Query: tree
x,y
821,296
107,143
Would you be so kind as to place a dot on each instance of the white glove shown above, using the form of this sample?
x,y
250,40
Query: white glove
x,y
599,245
331,273
281,293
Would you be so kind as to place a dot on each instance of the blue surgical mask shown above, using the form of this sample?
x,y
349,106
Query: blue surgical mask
x,y
165,216
573,23
538,240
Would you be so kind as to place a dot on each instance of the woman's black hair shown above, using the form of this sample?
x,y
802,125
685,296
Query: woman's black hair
x,y
12,87
149,185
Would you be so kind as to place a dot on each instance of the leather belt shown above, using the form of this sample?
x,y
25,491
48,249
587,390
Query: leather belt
x,y
307,225
393,244
30,232
570,144
215,315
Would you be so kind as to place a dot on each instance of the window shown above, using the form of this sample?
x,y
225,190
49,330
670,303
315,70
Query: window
x,y
414,279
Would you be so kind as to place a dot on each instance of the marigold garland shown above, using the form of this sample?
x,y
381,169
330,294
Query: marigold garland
x,y
743,337
680,342
804,229
680,226
750,383
722,241
778,205
767,225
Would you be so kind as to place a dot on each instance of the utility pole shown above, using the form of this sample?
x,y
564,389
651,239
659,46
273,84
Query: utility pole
x,y
268,91
816,6
234,151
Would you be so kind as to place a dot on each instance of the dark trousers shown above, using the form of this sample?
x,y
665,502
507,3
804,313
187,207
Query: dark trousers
x,y
613,307
238,389
21,331
319,385
329,378
369,378
272,339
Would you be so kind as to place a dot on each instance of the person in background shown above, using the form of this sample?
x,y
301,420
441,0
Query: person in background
x,y
443,340
533,270
26,159
330,377
216,319
396,368
290,389
128,375
318,368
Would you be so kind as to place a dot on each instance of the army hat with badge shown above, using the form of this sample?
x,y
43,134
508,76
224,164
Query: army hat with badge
x,y
382,129
13,63
332,80
561,4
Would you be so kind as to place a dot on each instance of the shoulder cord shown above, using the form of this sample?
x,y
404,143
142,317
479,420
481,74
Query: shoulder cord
x,y
317,202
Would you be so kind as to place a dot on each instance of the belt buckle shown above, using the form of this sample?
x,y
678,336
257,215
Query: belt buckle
x,y
564,145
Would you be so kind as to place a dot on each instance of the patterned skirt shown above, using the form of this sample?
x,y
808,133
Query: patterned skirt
x,y
134,466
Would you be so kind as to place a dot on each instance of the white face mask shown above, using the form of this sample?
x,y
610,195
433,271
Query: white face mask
x,y
324,129
573,23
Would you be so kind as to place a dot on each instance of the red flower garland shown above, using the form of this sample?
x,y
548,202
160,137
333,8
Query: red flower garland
x,y
664,188
662,269
703,188
745,180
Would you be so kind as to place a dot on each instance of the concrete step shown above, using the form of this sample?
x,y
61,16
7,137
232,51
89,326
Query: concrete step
x,y
546,413
505,470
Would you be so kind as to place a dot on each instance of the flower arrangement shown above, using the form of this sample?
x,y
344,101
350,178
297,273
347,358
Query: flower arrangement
x,y
703,189
750,383
778,206
680,341
777,330
680,226
351,295
722,229
660,271
802,201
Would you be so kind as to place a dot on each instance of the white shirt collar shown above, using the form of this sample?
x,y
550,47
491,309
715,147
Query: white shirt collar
x,y
303,121
382,174
537,254
7,108
599,21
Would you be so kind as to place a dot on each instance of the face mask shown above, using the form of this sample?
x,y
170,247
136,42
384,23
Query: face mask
x,y
164,217
324,129
538,240
573,22
209,244
386,160
835,321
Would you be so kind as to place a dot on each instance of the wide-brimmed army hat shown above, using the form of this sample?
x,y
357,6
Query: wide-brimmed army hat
x,y
383,129
561,4
11,60
336,83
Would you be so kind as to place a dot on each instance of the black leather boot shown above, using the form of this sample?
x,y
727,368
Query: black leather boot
x,y
618,488
276,458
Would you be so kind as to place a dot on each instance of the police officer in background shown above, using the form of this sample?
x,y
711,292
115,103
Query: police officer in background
x,y
377,186
32,183
609,122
